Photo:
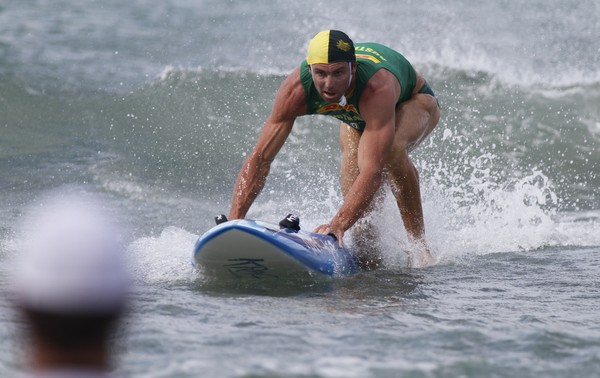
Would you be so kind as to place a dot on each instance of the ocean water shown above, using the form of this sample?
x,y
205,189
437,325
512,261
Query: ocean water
x,y
154,105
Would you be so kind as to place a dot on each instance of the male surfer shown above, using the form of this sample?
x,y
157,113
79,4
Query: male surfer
x,y
387,109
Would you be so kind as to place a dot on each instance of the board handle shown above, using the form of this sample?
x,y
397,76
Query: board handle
x,y
220,219
290,221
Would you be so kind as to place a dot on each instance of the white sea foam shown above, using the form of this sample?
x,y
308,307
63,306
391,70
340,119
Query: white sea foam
x,y
164,258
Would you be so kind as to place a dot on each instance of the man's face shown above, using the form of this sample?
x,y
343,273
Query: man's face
x,y
331,80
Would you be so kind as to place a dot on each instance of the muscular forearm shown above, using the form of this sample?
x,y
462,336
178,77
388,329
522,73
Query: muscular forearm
x,y
248,186
290,102
358,199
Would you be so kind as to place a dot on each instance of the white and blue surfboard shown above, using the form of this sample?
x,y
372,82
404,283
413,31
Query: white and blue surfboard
x,y
260,250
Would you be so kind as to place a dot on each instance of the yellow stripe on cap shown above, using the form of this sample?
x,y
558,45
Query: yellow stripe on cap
x,y
330,46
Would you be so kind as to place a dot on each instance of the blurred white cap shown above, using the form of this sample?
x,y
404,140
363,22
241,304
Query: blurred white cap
x,y
72,259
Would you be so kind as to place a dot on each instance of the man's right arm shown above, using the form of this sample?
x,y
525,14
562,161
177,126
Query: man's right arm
x,y
290,102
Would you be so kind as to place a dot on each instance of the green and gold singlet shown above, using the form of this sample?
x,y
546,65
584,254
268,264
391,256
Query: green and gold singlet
x,y
370,58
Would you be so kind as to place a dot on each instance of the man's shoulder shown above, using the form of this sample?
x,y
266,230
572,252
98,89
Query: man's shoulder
x,y
290,100
383,84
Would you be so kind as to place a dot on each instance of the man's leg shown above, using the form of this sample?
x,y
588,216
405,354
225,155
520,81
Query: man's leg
x,y
415,119
364,234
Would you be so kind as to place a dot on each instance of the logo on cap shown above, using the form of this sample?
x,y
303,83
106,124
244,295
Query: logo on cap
x,y
343,45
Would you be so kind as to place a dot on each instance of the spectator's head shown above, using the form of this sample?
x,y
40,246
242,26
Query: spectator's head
x,y
71,280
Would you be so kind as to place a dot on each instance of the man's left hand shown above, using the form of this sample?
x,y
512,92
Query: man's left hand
x,y
330,229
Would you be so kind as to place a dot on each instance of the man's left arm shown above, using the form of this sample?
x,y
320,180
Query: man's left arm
x,y
377,107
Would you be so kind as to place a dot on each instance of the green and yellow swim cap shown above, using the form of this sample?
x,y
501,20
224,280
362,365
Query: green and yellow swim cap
x,y
330,46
